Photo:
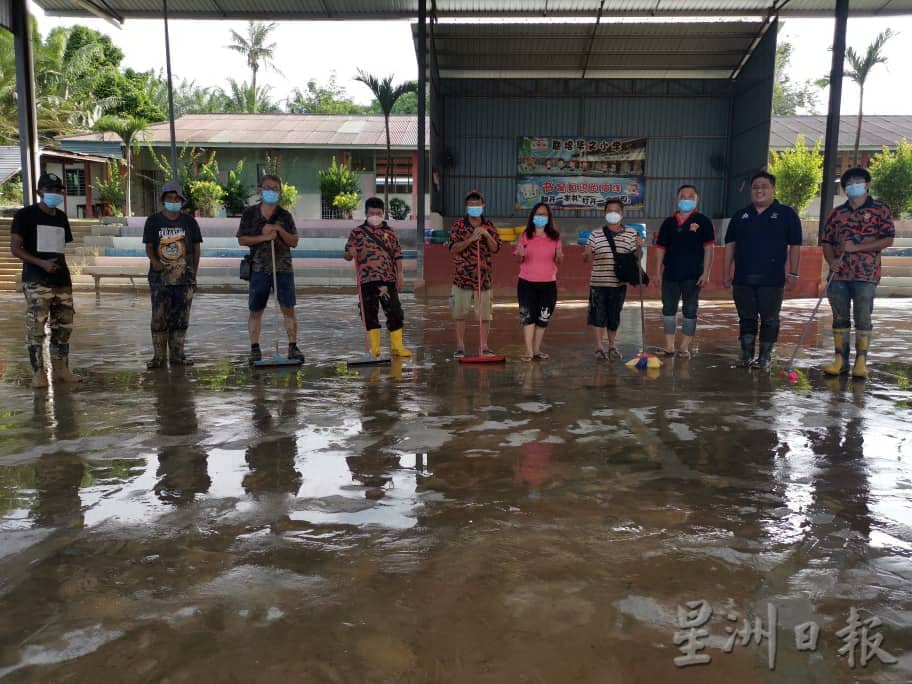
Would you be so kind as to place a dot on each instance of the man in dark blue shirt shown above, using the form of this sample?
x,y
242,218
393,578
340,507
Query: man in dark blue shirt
x,y
761,239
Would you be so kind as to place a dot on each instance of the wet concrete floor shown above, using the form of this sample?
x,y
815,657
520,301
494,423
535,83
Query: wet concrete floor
x,y
561,521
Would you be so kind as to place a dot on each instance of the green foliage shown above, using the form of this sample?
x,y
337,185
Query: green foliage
x,y
346,202
206,195
288,198
799,172
891,177
405,105
111,191
236,191
192,164
130,92
338,179
259,55
398,209
791,98
11,191
329,98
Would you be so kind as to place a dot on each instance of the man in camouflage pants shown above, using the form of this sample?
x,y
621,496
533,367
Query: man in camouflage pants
x,y
39,234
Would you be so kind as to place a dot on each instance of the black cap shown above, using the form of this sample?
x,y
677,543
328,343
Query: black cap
x,y
855,172
49,181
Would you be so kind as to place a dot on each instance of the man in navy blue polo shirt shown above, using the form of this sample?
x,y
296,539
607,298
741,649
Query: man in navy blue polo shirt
x,y
762,254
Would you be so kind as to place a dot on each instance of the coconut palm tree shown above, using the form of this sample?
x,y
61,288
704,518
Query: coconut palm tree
x,y
254,47
386,95
128,129
861,66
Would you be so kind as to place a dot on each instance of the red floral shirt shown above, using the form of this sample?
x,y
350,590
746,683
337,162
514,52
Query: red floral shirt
x,y
466,263
871,221
381,245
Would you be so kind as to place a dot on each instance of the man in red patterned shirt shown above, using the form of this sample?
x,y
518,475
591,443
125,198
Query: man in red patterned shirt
x,y
473,241
854,236
379,257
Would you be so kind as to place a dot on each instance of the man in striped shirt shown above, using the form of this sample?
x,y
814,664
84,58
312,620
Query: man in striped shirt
x,y
606,292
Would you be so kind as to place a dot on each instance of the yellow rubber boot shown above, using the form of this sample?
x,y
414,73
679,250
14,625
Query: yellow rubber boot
x,y
840,363
396,348
862,342
373,337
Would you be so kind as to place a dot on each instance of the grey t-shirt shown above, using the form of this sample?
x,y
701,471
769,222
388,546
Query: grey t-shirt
x,y
252,223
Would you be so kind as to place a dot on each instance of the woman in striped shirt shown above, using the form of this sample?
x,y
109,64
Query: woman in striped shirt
x,y
606,292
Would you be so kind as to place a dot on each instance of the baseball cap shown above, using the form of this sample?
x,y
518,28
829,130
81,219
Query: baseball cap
x,y
49,181
173,186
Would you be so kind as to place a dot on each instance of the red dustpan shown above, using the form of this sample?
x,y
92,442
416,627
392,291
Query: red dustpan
x,y
482,358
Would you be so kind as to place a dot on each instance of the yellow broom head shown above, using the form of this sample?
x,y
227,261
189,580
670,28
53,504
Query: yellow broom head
x,y
633,362
654,362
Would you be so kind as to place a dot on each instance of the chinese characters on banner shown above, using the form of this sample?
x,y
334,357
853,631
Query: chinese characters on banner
x,y
861,637
580,173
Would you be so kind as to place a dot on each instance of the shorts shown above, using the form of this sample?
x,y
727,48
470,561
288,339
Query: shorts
x,y
536,302
605,304
261,286
462,300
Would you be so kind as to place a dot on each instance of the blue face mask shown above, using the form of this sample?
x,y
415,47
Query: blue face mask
x,y
173,207
53,199
686,205
474,212
270,196
539,221
855,190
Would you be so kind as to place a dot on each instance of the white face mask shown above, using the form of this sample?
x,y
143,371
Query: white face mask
x,y
375,221
613,218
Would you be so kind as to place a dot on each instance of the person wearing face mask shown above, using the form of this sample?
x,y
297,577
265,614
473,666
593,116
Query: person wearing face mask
x,y
763,247
683,264
261,224
606,292
473,243
853,238
376,247
539,253
38,236
172,240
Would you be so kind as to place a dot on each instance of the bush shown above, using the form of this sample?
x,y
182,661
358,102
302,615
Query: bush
x,y
799,173
891,178
288,198
346,202
398,209
236,192
11,192
207,196
112,191
337,180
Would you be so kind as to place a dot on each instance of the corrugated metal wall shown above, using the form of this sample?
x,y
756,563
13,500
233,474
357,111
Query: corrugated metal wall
x,y
688,125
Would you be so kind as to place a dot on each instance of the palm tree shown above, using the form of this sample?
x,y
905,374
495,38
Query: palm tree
x,y
255,49
386,95
860,69
128,129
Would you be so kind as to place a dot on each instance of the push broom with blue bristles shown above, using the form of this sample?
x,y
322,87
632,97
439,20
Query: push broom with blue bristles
x,y
276,360
644,359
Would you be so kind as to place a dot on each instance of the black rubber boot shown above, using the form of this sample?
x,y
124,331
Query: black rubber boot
x,y
747,350
294,352
39,372
159,351
176,349
765,358
255,354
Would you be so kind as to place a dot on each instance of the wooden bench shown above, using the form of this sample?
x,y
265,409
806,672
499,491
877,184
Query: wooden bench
x,y
99,272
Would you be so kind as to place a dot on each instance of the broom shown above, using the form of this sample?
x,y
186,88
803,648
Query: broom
x,y
788,373
481,358
644,359
276,360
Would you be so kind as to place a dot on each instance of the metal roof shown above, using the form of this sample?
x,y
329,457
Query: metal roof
x,y
876,130
407,9
608,50
275,130
11,159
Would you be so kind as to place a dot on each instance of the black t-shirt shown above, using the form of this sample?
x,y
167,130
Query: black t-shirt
x,y
684,244
761,243
252,224
173,242
44,236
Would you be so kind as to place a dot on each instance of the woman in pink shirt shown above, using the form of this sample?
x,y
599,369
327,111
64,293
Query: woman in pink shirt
x,y
539,252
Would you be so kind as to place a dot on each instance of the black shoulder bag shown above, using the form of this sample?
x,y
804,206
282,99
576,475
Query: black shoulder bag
x,y
626,266
246,267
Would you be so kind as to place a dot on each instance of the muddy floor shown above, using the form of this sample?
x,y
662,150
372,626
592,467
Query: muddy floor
x,y
567,520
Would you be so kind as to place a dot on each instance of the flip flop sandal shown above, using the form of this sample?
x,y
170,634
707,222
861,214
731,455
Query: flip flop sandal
x,y
614,354
600,355
458,354
684,354
666,352
487,351
542,356
525,359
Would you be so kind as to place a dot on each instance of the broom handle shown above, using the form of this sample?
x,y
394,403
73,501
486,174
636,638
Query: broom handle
x,y
275,289
478,300
361,304
807,325
642,306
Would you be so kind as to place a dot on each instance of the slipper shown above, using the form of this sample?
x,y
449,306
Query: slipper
x,y
600,355
525,359
458,354
684,354
614,354
542,355
487,351
667,352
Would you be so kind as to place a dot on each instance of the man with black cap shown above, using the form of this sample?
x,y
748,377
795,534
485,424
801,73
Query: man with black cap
x,y
172,240
853,237
39,234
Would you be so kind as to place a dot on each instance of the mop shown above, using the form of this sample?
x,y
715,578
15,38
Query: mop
x,y
276,360
644,359
481,358
368,359
788,373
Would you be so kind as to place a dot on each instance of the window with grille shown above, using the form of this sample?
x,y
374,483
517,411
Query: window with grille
x,y
75,181
400,177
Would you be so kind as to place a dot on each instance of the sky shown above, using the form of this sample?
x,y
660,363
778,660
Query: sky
x,y
306,50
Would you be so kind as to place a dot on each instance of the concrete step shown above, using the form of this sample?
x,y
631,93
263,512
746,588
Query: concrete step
x,y
895,282
886,291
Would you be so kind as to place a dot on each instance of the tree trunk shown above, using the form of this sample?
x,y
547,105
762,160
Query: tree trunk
x,y
858,128
253,99
129,156
389,161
